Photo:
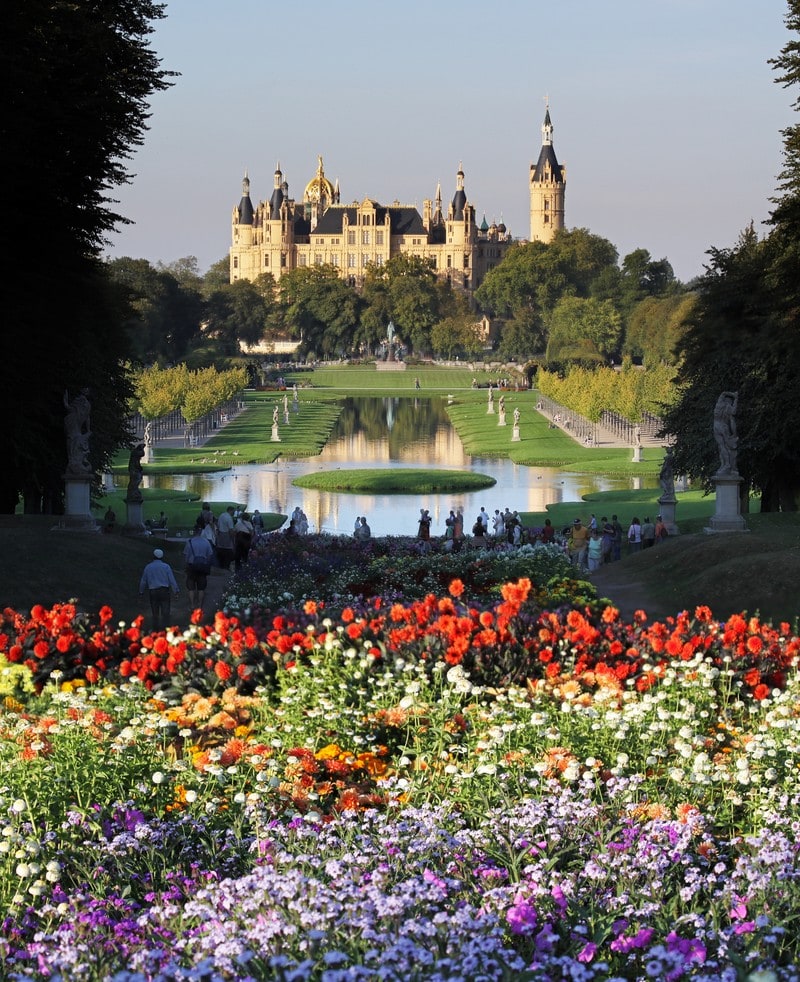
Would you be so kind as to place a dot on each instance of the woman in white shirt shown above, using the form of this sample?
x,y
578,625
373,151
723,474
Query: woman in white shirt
x,y
635,536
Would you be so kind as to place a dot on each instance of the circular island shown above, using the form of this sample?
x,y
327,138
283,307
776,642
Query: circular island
x,y
394,481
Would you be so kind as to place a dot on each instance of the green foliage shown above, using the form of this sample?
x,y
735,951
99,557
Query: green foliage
x,y
411,480
629,392
583,330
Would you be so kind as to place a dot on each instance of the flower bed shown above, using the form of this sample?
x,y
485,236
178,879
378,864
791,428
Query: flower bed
x,y
469,783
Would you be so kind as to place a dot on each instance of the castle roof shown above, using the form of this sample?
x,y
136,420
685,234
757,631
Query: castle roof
x,y
403,219
547,167
245,208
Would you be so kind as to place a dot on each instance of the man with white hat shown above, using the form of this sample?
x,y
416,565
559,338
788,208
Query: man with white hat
x,y
159,580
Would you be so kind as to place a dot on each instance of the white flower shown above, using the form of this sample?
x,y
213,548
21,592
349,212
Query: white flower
x,y
18,806
158,778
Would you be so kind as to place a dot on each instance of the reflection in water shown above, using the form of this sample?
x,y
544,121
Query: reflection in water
x,y
390,432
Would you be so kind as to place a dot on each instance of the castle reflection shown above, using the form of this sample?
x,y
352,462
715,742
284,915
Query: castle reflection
x,y
391,432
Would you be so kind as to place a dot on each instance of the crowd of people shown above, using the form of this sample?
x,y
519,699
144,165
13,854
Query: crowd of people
x,y
591,546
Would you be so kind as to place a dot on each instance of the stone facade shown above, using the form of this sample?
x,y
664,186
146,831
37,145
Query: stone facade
x,y
282,234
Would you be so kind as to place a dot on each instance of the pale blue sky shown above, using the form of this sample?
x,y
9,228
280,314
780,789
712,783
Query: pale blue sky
x,y
665,113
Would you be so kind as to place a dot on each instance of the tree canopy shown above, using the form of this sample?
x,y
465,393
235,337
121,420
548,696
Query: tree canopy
x,y
745,337
76,82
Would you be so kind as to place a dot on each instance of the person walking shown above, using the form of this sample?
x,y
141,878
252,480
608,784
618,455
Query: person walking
x,y
616,552
594,551
225,551
661,530
198,554
608,542
635,535
578,543
243,533
159,580
648,533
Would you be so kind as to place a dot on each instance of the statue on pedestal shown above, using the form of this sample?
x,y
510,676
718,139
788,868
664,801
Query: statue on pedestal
x,y
667,475
725,431
77,431
135,474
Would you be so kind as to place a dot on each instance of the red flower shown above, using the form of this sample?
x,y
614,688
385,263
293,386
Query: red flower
x,y
223,671
456,588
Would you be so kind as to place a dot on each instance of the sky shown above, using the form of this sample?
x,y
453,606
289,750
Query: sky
x,y
666,115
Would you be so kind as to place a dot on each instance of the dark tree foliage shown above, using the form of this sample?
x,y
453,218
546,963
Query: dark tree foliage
x,y
745,336
76,78
722,350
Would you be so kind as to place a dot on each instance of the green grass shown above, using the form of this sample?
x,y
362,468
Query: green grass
x,y
395,481
180,507
366,379
539,445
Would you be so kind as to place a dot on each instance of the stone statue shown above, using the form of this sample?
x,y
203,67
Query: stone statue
x,y
667,475
135,473
637,435
77,430
516,417
148,434
725,431
275,415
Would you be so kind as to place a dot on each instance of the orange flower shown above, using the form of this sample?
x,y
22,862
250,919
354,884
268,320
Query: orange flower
x,y
456,588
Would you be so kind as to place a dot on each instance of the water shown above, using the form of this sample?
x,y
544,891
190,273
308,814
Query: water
x,y
391,432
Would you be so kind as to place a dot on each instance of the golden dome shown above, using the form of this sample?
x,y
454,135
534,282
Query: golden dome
x,y
319,188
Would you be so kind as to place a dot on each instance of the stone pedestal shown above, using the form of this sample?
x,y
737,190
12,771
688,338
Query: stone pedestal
x,y
490,408
275,438
666,506
286,417
637,455
133,518
77,505
728,516
515,437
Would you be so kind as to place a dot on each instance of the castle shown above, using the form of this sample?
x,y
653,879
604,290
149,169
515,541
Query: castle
x,y
283,234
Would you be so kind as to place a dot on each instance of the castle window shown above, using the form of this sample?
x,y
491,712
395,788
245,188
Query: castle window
x,y
351,260
235,262
351,238
379,260
266,260
301,260
379,238
283,260
335,259
365,238
318,258
449,261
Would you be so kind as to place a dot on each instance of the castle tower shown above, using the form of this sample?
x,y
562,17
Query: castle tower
x,y
548,182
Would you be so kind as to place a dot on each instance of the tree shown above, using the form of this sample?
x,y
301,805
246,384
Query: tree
x,y
534,277
320,309
458,335
405,291
165,312
76,81
583,330
745,337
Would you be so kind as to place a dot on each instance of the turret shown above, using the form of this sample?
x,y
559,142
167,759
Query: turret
x,y
548,181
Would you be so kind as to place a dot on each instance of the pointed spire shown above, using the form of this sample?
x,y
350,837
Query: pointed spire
x,y
547,128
